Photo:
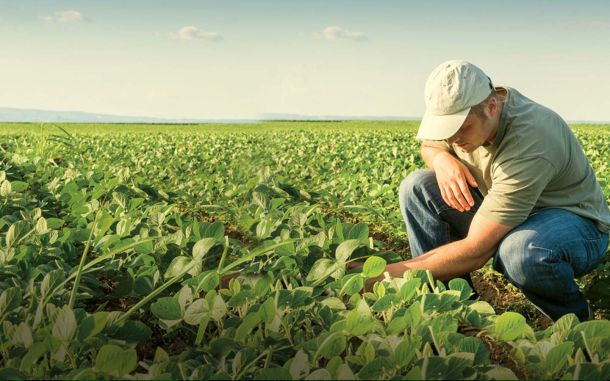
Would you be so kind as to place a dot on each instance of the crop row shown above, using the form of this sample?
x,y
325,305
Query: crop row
x,y
221,257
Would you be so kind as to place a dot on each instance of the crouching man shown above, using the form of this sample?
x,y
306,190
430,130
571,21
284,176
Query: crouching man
x,y
506,178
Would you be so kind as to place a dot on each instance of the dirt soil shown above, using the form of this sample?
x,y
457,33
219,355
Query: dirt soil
x,y
497,291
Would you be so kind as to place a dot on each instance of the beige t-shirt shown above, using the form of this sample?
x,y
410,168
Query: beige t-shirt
x,y
535,161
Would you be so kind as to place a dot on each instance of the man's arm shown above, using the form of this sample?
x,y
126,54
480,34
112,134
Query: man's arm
x,y
428,154
456,258
452,176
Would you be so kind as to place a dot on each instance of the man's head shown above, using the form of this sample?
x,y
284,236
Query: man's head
x,y
461,105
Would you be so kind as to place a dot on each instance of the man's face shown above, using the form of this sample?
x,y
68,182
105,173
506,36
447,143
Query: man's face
x,y
475,131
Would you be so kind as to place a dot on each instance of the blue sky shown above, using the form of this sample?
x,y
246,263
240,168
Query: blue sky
x,y
241,59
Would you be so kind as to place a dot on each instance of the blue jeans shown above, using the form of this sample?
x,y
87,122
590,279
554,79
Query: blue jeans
x,y
541,256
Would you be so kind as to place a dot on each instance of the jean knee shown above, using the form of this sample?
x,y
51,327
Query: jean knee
x,y
414,183
525,264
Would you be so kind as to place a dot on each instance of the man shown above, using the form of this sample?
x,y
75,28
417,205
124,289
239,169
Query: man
x,y
507,177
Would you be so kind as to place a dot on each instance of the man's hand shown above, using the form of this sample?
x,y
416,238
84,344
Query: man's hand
x,y
453,178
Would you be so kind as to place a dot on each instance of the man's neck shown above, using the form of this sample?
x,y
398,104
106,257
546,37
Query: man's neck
x,y
496,121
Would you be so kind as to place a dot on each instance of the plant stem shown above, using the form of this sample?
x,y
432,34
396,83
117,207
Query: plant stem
x,y
224,253
252,255
82,260
94,262
153,294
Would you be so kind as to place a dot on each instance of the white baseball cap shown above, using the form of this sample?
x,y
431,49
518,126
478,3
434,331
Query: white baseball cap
x,y
451,90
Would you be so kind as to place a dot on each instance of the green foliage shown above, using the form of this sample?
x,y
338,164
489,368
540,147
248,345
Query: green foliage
x,y
224,252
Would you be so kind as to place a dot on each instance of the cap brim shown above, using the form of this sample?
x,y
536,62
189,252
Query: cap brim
x,y
441,127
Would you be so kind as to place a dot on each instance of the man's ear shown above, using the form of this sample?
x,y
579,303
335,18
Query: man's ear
x,y
492,106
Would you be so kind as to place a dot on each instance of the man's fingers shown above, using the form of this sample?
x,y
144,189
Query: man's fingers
x,y
466,192
445,193
470,179
452,201
444,196
457,193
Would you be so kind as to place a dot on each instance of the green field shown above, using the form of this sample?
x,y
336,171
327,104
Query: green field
x,y
115,241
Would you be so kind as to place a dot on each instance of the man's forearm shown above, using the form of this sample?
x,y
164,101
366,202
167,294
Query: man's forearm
x,y
428,154
445,262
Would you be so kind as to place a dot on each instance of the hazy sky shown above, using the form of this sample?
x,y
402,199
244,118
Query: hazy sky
x,y
240,59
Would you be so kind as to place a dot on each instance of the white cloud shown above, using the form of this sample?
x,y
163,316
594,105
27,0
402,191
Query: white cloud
x,y
193,33
333,33
64,17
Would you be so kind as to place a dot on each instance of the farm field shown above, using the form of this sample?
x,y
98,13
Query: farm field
x,y
220,252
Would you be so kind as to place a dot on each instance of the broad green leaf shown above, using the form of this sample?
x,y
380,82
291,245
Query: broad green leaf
x,y
373,267
476,346
332,344
509,326
359,232
103,224
299,366
196,311
5,188
166,308
273,374
500,373
144,248
321,269
333,365
65,324
54,223
376,369
344,372
406,350
219,308
251,320
351,284
263,285
10,299
177,266
359,320
202,247
41,226
11,374
385,303
482,308
112,359
133,331
319,374
345,250
35,352
215,230
565,323
557,358
23,335
461,285
267,311
408,290
593,328
333,303
16,232
241,298
143,285
92,325
19,186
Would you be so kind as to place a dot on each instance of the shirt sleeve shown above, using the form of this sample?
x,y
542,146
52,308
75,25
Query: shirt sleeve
x,y
516,187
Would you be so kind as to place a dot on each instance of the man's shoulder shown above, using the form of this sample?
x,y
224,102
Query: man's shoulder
x,y
529,123
522,110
